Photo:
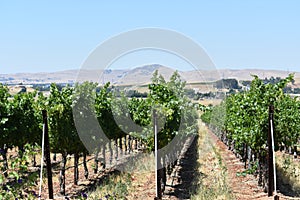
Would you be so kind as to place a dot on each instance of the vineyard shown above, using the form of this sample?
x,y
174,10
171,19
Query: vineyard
x,y
125,129
22,126
245,125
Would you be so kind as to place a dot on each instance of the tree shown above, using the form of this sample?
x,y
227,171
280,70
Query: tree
x,y
227,83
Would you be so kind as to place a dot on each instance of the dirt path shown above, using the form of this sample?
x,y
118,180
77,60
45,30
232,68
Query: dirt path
x,y
243,187
209,166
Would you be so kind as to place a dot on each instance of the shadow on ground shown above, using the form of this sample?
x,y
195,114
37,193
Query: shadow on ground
x,y
186,179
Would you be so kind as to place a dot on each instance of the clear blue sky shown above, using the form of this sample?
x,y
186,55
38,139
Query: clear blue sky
x,y
55,35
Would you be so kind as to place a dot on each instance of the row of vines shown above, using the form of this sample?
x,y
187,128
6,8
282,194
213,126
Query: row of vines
x,y
241,122
120,119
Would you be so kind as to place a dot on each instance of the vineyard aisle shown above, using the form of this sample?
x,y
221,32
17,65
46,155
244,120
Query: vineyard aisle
x,y
216,170
205,170
241,187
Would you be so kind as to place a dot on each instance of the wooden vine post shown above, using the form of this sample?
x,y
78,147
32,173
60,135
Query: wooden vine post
x,y
157,159
47,154
271,156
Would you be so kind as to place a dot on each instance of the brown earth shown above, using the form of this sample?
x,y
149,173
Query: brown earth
x,y
244,188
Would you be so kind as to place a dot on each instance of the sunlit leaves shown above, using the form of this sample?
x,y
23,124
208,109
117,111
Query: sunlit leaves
x,y
246,119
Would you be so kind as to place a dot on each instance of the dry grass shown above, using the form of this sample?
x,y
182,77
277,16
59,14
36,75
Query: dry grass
x,y
207,102
213,182
288,171
136,182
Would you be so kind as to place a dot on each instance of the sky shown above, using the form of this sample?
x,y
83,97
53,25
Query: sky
x,y
46,36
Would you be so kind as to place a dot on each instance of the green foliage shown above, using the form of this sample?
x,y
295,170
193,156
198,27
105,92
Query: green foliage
x,y
287,123
19,182
176,114
63,134
104,110
23,122
243,117
20,124
3,114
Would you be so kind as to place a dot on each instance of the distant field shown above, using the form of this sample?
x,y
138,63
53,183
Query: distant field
x,y
210,101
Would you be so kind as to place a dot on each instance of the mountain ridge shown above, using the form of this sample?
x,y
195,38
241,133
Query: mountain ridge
x,y
138,75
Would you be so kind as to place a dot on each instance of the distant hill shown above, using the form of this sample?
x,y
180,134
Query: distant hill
x,y
139,75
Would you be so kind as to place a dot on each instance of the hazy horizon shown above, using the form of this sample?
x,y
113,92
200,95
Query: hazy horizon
x,y
141,66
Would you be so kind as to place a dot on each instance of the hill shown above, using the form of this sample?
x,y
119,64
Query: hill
x,y
139,75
